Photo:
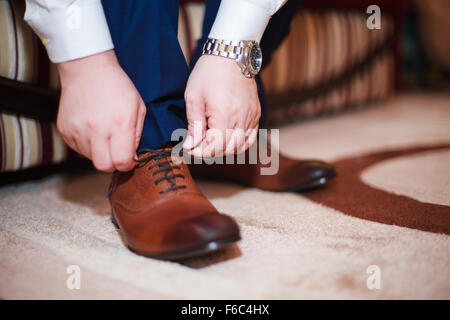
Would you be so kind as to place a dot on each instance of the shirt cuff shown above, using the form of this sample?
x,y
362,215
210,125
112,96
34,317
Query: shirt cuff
x,y
239,20
72,32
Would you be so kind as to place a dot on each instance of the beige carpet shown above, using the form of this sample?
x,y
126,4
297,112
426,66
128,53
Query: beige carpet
x,y
292,247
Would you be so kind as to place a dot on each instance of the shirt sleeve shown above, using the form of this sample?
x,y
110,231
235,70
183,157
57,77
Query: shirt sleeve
x,y
69,29
243,19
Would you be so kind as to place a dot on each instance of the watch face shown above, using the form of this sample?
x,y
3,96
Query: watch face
x,y
255,58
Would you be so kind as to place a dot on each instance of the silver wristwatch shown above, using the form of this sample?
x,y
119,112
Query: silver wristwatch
x,y
247,54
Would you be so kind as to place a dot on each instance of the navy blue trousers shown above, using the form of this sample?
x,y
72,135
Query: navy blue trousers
x,y
144,33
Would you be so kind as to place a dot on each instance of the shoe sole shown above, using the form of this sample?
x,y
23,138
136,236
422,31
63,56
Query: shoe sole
x,y
205,249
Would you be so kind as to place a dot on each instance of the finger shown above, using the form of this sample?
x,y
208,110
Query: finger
x,y
250,138
236,141
140,124
195,113
100,152
71,143
82,146
122,149
216,142
255,122
205,148
217,136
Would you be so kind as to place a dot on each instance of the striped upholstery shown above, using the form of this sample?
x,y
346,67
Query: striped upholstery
x,y
27,142
22,57
329,62
305,77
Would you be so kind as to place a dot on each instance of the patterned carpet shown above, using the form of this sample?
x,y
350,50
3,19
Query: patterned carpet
x,y
389,207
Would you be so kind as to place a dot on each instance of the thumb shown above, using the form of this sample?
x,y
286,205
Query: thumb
x,y
140,123
195,112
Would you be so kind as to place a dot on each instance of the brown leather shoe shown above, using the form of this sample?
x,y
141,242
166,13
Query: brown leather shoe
x,y
293,175
161,212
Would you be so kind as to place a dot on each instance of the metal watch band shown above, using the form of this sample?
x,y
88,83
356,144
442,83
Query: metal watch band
x,y
229,49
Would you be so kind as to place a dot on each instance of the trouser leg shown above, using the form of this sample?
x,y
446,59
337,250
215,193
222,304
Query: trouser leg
x,y
144,33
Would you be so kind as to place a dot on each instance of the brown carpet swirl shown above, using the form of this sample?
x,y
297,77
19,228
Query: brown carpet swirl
x,y
350,195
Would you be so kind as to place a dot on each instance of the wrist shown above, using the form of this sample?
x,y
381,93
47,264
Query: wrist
x,y
80,67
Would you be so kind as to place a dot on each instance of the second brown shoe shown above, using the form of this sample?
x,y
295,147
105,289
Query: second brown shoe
x,y
291,174
162,213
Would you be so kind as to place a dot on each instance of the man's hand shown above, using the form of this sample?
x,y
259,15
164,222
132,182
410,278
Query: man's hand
x,y
218,97
101,114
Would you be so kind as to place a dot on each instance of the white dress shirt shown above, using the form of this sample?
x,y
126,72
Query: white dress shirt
x,y
243,19
72,29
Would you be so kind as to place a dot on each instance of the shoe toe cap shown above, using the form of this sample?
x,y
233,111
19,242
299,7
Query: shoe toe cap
x,y
201,230
320,169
